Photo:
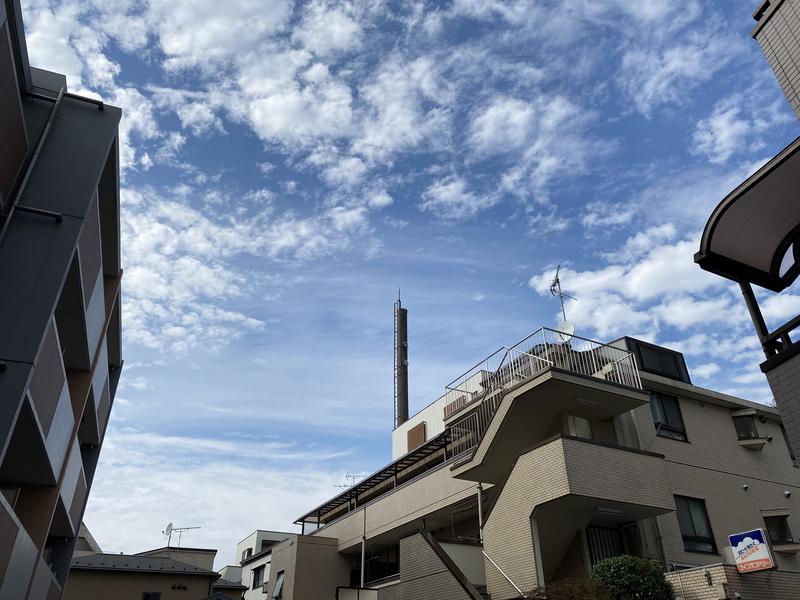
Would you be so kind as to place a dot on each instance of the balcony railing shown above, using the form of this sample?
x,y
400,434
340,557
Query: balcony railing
x,y
546,348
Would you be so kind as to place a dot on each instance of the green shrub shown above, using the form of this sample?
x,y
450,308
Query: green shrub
x,y
572,589
633,578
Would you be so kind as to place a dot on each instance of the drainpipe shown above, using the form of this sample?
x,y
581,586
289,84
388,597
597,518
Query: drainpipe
x,y
364,548
480,513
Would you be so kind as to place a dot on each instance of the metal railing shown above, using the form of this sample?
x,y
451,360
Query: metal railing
x,y
546,348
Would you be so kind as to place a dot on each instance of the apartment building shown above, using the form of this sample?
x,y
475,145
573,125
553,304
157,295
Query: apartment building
x,y
254,554
60,351
549,456
753,235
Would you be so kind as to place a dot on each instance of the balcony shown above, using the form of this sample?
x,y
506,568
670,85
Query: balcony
x,y
522,390
561,487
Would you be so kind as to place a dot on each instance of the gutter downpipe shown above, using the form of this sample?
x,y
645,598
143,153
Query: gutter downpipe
x,y
364,549
480,513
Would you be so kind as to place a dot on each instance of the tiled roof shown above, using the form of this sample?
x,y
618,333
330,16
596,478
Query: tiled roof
x,y
146,564
225,583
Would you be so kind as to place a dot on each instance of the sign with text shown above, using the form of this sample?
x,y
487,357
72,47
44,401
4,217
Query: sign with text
x,y
750,551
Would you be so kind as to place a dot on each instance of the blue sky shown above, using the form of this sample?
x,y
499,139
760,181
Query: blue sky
x,y
288,166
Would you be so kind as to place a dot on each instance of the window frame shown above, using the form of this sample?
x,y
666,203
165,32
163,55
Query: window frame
x,y
740,432
151,595
691,538
261,569
788,444
665,429
279,578
785,524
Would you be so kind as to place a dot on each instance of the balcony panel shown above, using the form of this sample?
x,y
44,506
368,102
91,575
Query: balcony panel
x,y
26,460
17,554
95,315
531,412
44,583
71,322
89,251
73,485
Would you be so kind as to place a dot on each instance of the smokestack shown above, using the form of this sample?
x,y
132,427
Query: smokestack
x,y
400,364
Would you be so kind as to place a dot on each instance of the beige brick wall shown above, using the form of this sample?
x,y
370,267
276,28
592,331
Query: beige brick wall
x,y
779,38
713,466
784,380
423,575
718,582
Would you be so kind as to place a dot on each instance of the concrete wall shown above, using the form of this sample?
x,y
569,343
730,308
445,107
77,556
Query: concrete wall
x,y
312,567
84,584
718,582
469,559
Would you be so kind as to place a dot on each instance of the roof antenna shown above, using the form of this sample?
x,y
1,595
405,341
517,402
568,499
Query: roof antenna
x,y
565,329
170,529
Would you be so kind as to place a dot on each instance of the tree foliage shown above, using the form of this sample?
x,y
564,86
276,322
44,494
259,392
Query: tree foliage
x,y
632,578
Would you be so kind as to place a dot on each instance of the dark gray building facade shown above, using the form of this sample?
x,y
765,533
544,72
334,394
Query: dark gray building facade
x,y
60,321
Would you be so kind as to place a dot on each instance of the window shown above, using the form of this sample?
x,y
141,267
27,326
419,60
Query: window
x,y
788,444
694,525
579,427
667,416
247,553
151,595
746,427
778,529
277,593
258,577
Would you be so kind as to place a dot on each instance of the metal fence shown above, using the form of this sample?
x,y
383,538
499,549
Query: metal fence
x,y
546,348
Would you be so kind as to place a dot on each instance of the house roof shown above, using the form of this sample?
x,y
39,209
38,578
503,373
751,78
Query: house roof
x,y
178,548
134,563
228,584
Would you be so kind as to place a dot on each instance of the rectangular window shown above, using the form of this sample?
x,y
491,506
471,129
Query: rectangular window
x,y
247,553
746,427
277,593
788,444
778,529
695,526
151,595
667,416
258,577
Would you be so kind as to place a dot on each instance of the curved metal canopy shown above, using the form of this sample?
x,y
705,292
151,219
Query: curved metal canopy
x,y
754,233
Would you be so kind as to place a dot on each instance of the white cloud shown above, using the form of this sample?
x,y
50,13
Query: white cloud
x,y
706,370
505,124
653,77
326,28
607,215
450,198
205,33
737,125
138,480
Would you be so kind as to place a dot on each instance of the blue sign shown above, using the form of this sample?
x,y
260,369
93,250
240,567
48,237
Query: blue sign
x,y
751,551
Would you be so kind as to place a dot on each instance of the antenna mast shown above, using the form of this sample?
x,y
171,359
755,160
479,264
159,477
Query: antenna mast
x,y
555,290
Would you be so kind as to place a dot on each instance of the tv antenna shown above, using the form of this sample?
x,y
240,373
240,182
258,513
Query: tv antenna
x,y
565,329
351,481
170,529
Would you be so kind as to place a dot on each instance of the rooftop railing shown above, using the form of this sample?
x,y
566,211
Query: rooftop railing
x,y
546,348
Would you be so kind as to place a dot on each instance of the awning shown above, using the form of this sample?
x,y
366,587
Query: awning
x,y
754,233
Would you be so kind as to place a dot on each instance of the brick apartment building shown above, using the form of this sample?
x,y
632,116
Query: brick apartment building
x,y
546,458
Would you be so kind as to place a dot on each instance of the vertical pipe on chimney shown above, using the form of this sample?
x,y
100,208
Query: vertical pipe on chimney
x,y
400,364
